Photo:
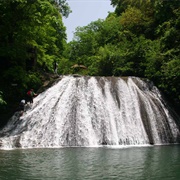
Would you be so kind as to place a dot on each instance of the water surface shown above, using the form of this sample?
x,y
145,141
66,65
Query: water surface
x,y
150,163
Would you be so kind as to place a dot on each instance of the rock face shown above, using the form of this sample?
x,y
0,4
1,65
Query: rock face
x,y
93,111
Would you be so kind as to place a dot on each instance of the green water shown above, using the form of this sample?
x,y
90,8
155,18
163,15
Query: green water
x,y
158,162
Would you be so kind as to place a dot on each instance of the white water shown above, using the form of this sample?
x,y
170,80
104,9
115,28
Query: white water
x,y
93,111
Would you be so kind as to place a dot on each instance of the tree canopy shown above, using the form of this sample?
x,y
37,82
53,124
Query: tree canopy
x,y
141,38
32,37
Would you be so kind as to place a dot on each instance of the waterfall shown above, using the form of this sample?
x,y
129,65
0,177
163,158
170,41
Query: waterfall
x,y
94,111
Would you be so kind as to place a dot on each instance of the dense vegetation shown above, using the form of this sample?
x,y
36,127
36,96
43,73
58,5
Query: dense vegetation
x,y
141,38
32,37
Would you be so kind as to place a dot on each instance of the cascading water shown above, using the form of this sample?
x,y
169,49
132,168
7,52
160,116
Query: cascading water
x,y
93,111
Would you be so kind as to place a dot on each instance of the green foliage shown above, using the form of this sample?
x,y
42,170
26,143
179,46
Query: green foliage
x,y
64,67
20,80
31,31
132,19
154,61
33,81
93,67
2,102
109,30
171,72
140,39
16,75
32,36
63,7
105,64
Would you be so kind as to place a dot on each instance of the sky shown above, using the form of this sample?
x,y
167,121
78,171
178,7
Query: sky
x,y
84,12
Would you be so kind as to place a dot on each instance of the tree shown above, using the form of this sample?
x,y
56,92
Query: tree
x,y
32,36
79,48
2,102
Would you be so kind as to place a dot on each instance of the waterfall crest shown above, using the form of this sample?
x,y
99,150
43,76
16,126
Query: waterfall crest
x,y
93,111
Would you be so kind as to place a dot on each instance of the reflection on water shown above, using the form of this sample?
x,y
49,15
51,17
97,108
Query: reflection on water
x,y
159,162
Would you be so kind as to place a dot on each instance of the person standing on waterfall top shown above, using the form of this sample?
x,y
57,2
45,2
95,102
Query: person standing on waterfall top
x,y
55,66
30,95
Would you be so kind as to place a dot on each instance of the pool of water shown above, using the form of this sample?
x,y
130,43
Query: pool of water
x,y
135,163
